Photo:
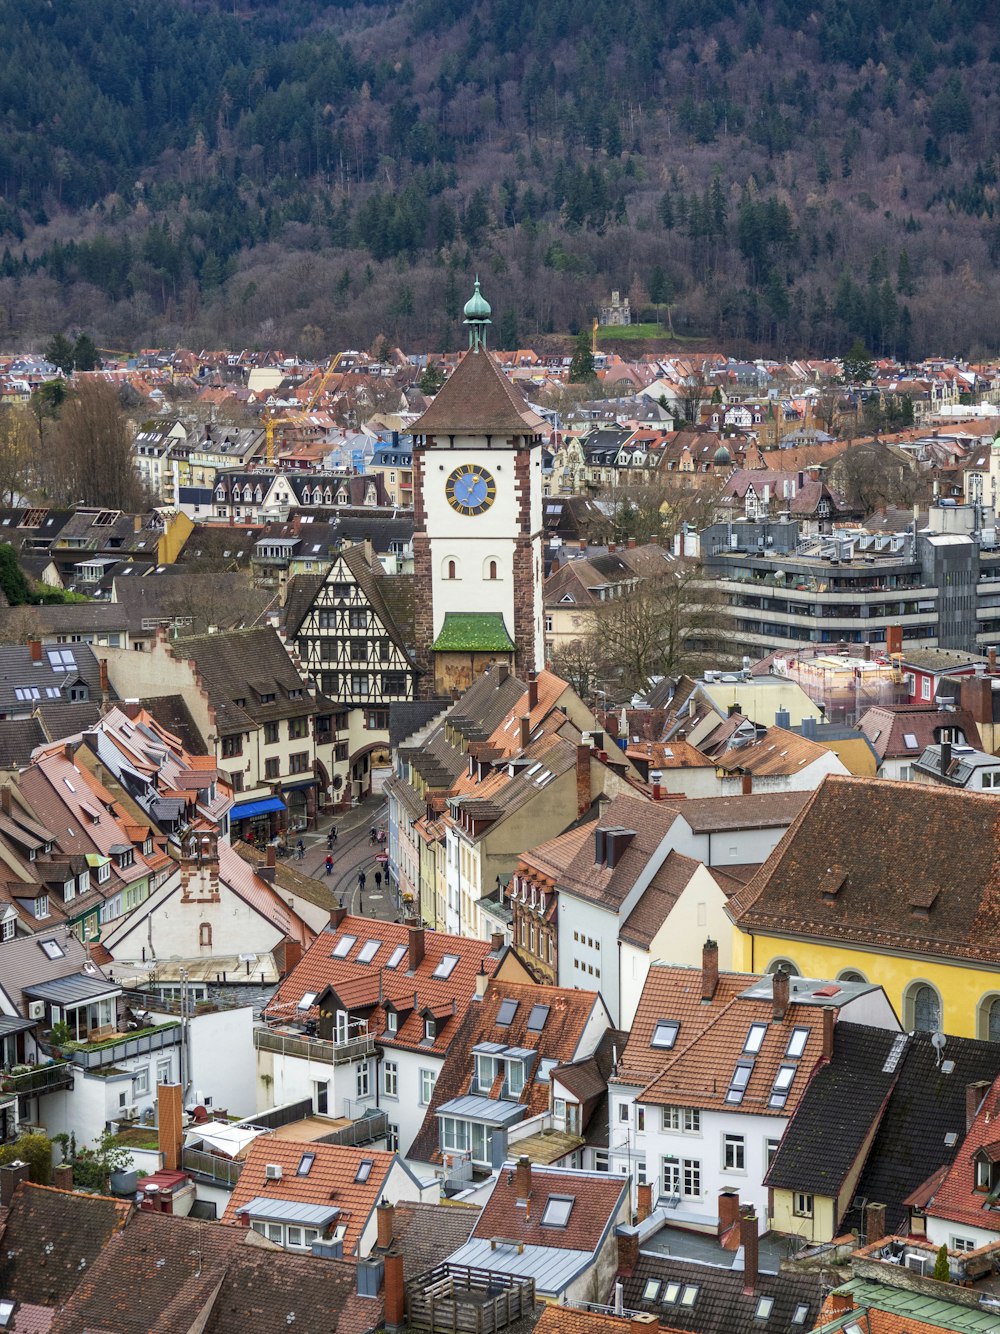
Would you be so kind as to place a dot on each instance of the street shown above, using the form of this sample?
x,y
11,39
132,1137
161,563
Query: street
x,y
353,853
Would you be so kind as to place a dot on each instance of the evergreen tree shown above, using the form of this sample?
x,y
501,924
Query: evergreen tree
x,y
581,368
60,352
942,1272
858,365
85,354
431,380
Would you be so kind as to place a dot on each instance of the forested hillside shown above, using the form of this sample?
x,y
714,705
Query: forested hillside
x,y
316,175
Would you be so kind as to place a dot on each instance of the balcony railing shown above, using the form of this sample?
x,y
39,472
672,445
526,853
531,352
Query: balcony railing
x,y
127,1044
314,1049
53,1078
210,1167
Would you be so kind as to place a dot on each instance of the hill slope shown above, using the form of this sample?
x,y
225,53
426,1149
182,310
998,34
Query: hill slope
x,y
314,175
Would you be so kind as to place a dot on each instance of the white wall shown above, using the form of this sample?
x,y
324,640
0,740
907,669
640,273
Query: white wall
x,y
221,1060
295,1077
165,927
806,780
942,1232
407,1112
580,922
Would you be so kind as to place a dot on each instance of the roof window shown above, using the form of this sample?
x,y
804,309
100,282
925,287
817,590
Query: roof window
x,y
368,951
537,1018
52,949
506,1012
797,1042
364,1169
739,1082
765,1305
782,1085
801,1314
343,947
651,1291
755,1038
557,1210
690,1294
665,1034
671,1291
446,967
305,1164
397,956
308,1001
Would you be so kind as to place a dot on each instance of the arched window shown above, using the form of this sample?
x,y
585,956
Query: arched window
x,y
451,569
851,975
785,964
988,1018
922,1008
491,569
205,934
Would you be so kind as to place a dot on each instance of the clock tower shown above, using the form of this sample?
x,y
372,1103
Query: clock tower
x,y
477,542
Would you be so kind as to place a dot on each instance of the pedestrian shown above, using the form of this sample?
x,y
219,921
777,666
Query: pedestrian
x,y
378,879
361,881
300,849
373,835
329,863
333,834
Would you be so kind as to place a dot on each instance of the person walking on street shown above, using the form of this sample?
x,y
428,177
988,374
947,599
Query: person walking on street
x,y
332,836
300,849
329,864
378,879
361,881
373,835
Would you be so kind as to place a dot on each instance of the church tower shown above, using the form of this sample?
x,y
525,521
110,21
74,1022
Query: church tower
x,y
477,544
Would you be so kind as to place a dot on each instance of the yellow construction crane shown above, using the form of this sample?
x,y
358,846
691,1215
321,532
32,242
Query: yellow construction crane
x,y
271,421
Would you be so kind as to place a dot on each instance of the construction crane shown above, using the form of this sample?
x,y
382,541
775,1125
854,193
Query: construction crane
x,y
271,420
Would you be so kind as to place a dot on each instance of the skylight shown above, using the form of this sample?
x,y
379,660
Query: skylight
x,y
665,1034
651,1291
755,1038
446,967
52,949
537,1018
740,1080
690,1294
782,1084
765,1305
364,1169
61,659
305,1164
557,1210
506,1012
797,1042
800,1314
308,1001
671,1292
343,947
396,958
910,741
368,951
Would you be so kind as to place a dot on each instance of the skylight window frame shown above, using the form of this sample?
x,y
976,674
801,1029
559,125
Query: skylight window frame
x,y
782,1086
396,957
689,1295
737,1086
671,1292
364,1170
666,1024
368,951
538,1017
507,1012
755,1038
801,1314
557,1211
446,966
305,1164
764,1307
308,1000
797,1033
343,947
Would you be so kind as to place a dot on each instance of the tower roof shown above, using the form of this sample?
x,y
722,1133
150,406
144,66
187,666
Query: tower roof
x,y
478,399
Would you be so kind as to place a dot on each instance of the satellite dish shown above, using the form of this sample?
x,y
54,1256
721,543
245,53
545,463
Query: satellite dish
x,y
938,1041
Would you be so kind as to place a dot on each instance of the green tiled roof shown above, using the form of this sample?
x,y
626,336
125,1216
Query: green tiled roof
x,y
938,1312
473,632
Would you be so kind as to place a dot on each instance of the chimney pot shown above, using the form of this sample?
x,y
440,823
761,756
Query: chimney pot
x,y
779,993
709,969
656,778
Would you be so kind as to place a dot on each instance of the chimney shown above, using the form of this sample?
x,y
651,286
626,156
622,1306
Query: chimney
x,y
779,994
170,1125
5,799
630,544
137,523
62,1177
945,757
611,547
709,969
522,1179
974,1095
269,868
394,1292
991,661
644,1200
893,639
656,778
292,954
385,1214
337,915
839,1303
35,645
532,691
729,1210
628,1252
496,942
503,671
874,1223
829,1021
11,1176
416,946
748,1240
746,786
105,685
642,1322
525,732
600,846
482,982
582,779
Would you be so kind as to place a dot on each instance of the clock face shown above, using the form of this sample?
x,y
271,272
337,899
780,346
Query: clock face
x,y
471,489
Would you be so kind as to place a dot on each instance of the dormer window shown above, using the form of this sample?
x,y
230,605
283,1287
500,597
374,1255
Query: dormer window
x,y
104,873
391,1021
430,1029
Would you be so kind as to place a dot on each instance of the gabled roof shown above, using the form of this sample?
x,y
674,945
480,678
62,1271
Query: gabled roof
x,y
892,846
956,1197
267,1290
25,963
905,730
777,753
584,877
65,1229
478,399
838,1111
331,1182
246,665
597,1198
720,1304
426,1232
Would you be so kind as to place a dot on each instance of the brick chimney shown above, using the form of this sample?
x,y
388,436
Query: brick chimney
x,y
496,942
416,946
394,1292
746,785
709,969
644,1200
170,1124
532,691
11,1176
292,953
974,1095
838,1303
105,683
35,648
656,780
385,1216
829,1020
729,1210
583,794
748,1240
874,1222
642,1322
630,544
62,1177
628,1253
337,915
779,993
991,660
524,731
522,1179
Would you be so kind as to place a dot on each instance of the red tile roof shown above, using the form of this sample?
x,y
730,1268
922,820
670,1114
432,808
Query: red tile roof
x,y
597,1198
956,1198
331,1180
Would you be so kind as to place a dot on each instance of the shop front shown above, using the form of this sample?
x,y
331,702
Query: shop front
x,y
259,821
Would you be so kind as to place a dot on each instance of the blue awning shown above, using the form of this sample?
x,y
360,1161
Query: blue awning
x,y
245,809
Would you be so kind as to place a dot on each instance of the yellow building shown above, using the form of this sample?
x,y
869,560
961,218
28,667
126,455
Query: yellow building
x,y
890,883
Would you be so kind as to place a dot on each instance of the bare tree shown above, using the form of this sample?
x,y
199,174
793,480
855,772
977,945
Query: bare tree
x,y
92,449
872,475
16,440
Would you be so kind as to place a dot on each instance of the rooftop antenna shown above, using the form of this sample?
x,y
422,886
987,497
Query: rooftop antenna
x,y
938,1042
